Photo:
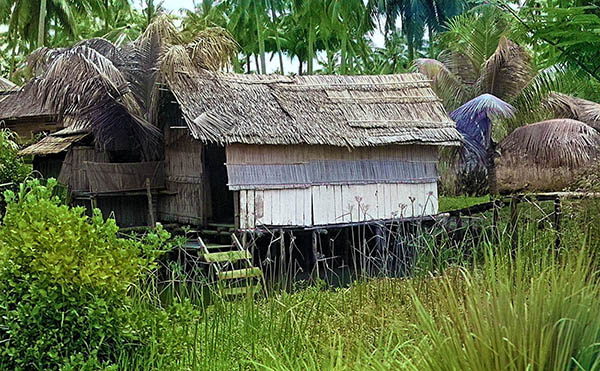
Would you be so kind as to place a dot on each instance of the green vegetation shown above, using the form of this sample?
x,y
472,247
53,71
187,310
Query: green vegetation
x,y
12,168
76,296
447,203
64,283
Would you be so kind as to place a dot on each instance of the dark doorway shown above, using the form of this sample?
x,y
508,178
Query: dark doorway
x,y
221,196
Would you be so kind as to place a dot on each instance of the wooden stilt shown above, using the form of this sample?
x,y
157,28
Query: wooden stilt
x,y
282,258
315,242
151,220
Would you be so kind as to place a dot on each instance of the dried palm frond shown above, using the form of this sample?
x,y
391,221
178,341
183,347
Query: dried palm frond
x,y
213,49
105,48
447,85
567,106
40,59
507,71
552,144
143,63
161,30
7,85
460,65
85,85
176,60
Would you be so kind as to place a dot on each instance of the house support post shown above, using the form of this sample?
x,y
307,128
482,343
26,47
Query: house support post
x,y
282,259
315,244
151,221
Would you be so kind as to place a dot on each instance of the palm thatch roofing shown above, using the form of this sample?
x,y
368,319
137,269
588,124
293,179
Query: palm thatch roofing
x,y
544,155
567,106
350,111
54,143
7,85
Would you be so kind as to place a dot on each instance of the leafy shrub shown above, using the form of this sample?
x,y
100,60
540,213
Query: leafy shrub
x,y
64,282
12,167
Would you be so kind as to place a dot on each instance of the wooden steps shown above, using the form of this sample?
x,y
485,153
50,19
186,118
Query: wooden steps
x,y
240,273
226,256
232,267
244,290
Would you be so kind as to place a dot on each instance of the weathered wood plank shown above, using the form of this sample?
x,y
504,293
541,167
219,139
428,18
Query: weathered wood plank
x,y
251,211
244,222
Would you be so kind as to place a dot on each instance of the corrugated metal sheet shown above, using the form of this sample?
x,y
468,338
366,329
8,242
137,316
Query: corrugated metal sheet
x,y
274,176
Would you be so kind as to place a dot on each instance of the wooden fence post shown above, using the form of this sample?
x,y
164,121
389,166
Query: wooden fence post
x,y
495,217
514,224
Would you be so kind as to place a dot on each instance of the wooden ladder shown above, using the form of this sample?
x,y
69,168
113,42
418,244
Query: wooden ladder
x,y
232,267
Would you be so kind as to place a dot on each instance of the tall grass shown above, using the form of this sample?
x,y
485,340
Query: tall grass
x,y
532,309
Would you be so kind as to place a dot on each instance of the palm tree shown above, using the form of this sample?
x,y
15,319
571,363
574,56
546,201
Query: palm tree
x,y
31,20
351,20
113,91
479,59
416,16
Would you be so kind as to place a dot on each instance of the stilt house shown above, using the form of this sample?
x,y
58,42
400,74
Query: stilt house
x,y
301,151
262,151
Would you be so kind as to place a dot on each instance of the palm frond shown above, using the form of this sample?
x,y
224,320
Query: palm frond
x,y
160,31
176,60
460,65
86,86
566,106
213,49
446,85
485,104
507,71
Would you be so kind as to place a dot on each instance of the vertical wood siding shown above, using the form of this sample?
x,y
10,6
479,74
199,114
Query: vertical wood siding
x,y
336,204
332,204
186,179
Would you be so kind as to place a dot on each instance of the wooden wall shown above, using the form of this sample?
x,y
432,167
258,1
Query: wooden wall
x,y
309,205
189,202
26,130
73,171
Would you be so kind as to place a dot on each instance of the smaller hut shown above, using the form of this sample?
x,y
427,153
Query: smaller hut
x,y
545,156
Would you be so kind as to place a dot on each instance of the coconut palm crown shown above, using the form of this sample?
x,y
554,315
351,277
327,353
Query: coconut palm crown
x,y
112,91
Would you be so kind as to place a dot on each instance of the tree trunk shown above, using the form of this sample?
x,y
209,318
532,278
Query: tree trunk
x,y
344,54
42,24
261,40
431,48
299,66
311,51
256,63
277,40
248,63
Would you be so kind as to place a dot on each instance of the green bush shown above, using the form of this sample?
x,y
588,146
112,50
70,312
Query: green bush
x,y
12,167
64,283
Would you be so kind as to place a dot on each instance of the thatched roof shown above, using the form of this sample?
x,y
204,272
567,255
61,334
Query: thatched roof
x,y
348,111
567,106
546,156
7,85
54,143
553,143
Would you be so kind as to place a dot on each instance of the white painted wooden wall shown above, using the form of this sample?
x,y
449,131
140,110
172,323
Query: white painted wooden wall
x,y
333,204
